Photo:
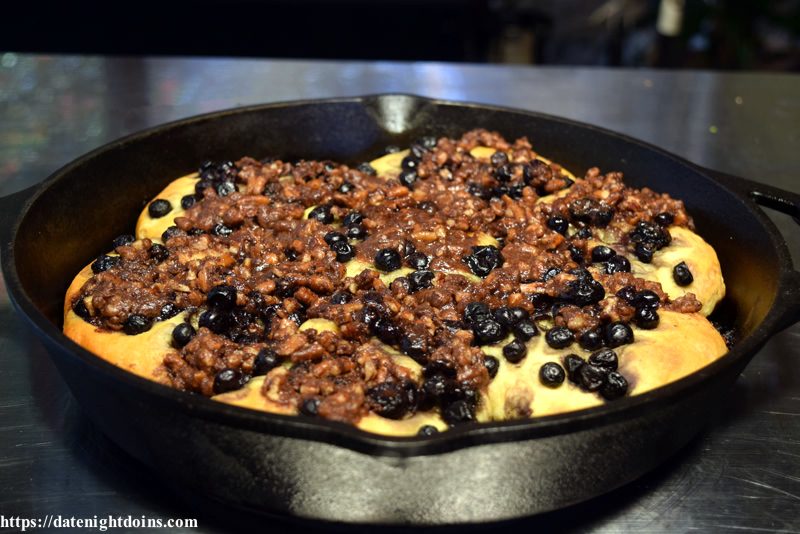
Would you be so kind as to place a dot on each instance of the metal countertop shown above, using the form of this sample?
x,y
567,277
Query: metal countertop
x,y
742,473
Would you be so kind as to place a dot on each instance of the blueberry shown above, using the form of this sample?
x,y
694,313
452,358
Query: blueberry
x,y
352,218
458,412
370,316
618,334
227,170
170,232
290,253
427,141
618,264
426,206
188,201
366,168
341,297
515,191
388,260
589,211
158,252
504,173
409,163
646,317
407,248
551,374
483,260
435,386
136,324
584,290
575,254
591,377
646,299
344,251
499,158
322,214
407,178
194,231
222,297
388,399
515,351
168,311
418,261
298,317
682,275
647,238
427,430
605,359
201,186
310,407
559,337
583,233
215,320
614,387
387,331
627,293
182,334
414,346
391,149
207,167
602,253
345,188
600,217
357,231
479,191
221,230
492,365
644,252
81,310
591,340
550,273
476,312
664,219
334,237
123,240
417,150
647,232
104,262
573,364
488,331
284,288
158,208
558,224
228,380
420,280
224,189
508,317
525,330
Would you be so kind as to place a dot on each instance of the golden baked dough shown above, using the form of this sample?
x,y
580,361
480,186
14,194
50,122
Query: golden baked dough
x,y
681,344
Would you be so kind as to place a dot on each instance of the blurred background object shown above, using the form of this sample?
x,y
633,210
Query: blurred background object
x,y
712,34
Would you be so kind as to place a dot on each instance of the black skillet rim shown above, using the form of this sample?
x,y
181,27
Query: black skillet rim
x,y
351,437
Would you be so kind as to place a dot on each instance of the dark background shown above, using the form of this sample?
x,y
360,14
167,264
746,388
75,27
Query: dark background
x,y
715,34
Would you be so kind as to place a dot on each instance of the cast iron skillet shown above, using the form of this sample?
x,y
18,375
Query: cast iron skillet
x,y
327,471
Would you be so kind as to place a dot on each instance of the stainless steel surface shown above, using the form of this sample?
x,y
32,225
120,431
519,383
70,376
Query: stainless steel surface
x,y
743,473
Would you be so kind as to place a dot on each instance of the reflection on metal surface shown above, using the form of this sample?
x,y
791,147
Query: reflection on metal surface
x,y
743,473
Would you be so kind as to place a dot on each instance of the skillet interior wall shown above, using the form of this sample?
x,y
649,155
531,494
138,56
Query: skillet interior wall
x,y
76,218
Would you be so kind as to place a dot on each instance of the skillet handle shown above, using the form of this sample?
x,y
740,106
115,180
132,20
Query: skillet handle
x,y
765,195
783,201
